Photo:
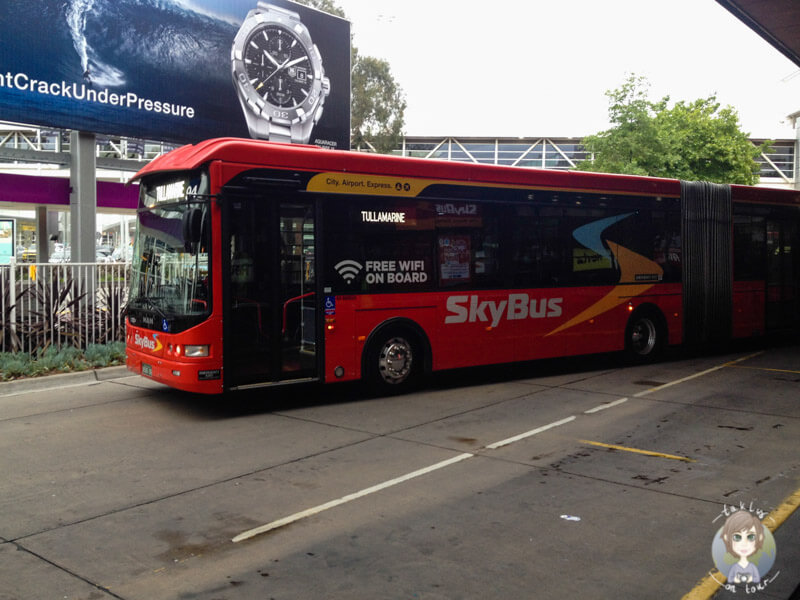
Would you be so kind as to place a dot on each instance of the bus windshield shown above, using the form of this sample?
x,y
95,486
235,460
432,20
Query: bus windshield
x,y
170,288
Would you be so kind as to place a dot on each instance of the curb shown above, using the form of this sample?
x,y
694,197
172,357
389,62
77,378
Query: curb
x,y
62,380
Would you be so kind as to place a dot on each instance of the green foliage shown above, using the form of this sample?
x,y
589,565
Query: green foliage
x,y
696,140
14,365
105,355
64,359
377,106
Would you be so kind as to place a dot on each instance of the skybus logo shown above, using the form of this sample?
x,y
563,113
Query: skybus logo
x,y
470,309
145,343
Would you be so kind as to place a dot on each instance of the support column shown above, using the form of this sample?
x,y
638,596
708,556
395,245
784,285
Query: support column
x,y
83,196
83,209
53,233
42,237
796,123
123,232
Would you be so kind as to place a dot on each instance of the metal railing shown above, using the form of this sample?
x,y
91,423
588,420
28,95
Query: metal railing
x,y
63,304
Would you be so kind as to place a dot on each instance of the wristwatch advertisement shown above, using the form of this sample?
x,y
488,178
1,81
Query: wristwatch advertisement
x,y
278,74
188,71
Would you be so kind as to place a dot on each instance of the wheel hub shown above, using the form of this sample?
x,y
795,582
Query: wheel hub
x,y
643,336
395,360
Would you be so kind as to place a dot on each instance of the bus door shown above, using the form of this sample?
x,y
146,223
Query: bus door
x,y
270,325
783,275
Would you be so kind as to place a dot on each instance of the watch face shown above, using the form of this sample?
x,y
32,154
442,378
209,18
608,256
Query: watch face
x,y
278,66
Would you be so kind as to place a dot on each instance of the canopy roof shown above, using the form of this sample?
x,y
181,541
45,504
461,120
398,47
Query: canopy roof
x,y
777,21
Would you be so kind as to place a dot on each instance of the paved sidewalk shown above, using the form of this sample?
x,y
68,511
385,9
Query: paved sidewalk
x,y
62,380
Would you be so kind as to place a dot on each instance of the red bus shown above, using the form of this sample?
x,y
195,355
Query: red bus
x,y
260,264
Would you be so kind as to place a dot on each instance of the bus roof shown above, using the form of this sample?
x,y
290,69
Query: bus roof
x,y
264,154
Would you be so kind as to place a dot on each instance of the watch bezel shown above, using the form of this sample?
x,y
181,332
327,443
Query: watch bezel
x,y
259,104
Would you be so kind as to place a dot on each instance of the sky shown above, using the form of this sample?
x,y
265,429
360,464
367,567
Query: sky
x,y
539,68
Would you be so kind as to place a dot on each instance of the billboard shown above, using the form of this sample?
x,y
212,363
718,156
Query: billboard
x,y
177,70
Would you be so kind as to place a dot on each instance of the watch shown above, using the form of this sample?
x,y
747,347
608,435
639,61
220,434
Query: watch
x,y
278,75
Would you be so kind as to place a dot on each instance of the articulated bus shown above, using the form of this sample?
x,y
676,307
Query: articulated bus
x,y
260,264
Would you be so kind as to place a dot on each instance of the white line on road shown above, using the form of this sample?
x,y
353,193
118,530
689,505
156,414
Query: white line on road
x,y
349,498
387,484
522,436
456,459
605,406
696,375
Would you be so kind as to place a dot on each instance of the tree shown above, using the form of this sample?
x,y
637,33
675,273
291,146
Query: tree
x,y
378,104
691,140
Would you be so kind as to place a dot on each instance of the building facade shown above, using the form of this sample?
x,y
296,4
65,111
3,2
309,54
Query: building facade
x,y
31,151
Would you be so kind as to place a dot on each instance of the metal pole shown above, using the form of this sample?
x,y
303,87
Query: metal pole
x,y
83,196
12,297
796,173
83,209
42,239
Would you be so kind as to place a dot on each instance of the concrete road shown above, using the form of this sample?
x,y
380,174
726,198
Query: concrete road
x,y
579,478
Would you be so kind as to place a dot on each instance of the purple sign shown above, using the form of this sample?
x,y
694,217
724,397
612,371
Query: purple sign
x,y
54,191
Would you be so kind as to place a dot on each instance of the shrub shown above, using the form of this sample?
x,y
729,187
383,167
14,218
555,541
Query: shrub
x,y
60,360
14,365
104,355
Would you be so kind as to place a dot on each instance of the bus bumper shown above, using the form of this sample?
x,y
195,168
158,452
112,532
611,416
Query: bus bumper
x,y
191,377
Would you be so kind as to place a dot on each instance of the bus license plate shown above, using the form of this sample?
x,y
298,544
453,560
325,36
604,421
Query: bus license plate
x,y
147,369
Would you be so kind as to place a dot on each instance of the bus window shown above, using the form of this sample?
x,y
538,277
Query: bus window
x,y
749,248
468,244
538,251
378,245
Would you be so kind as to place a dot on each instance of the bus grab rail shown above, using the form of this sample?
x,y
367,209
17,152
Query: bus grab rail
x,y
286,305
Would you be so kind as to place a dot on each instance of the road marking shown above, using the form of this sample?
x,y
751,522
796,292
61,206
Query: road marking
x,y
605,406
696,375
765,369
387,484
706,587
709,584
638,451
349,498
522,436
446,463
777,517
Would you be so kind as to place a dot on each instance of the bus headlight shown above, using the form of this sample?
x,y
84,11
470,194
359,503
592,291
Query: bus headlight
x,y
195,351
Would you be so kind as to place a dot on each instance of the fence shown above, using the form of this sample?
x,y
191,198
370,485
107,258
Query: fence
x,y
66,304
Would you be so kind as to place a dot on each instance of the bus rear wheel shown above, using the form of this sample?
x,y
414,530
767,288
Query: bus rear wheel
x,y
644,336
394,362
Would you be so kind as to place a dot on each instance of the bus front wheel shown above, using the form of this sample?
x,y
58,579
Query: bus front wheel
x,y
645,336
394,361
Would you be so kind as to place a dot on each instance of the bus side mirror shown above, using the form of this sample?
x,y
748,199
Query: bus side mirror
x,y
192,228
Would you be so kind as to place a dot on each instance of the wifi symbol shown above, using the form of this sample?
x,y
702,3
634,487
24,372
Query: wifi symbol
x,y
348,269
